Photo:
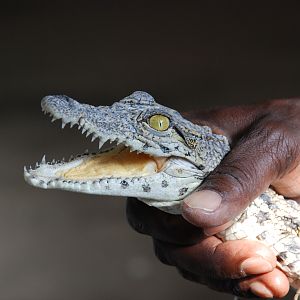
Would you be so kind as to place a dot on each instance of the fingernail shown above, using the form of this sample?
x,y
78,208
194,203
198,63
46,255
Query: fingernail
x,y
206,200
259,289
255,265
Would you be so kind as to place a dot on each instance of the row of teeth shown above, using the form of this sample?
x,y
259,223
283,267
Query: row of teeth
x,y
82,126
55,162
62,161
64,182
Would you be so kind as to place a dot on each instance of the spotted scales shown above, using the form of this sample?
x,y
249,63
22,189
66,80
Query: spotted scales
x,y
274,221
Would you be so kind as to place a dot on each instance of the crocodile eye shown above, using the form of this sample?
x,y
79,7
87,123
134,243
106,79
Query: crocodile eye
x,y
159,122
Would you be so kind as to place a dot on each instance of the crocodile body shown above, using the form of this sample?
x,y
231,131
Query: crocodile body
x,y
160,158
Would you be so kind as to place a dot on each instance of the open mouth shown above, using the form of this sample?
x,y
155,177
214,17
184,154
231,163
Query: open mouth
x,y
118,162
132,167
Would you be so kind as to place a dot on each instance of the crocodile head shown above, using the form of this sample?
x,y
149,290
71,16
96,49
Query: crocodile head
x,y
158,156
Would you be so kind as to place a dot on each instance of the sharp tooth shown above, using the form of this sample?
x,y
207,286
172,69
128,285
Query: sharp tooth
x,y
71,157
53,119
25,170
83,130
37,164
88,133
81,121
72,124
94,137
63,124
43,160
101,143
53,161
63,159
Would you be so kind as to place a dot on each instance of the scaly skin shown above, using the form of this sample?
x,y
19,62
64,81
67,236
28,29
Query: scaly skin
x,y
176,155
191,151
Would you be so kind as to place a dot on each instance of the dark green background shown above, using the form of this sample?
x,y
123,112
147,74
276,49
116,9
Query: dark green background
x,y
187,54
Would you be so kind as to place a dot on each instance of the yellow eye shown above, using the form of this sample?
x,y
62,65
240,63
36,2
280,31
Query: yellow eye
x,y
159,122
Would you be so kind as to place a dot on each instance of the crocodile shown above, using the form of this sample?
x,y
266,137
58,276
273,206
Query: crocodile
x,y
159,157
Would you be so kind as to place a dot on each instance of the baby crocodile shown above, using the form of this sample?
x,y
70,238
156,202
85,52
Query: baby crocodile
x,y
160,158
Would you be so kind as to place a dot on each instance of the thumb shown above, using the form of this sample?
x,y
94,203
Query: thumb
x,y
248,169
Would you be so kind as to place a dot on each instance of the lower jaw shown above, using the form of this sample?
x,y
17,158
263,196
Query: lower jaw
x,y
126,174
158,189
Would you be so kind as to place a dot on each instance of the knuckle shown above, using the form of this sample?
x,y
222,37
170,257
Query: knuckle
x,y
281,144
283,117
231,178
271,147
137,226
236,290
229,286
133,220
283,105
161,252
190,276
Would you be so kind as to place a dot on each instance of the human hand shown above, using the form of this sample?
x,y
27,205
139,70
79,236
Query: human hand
x,y
265,151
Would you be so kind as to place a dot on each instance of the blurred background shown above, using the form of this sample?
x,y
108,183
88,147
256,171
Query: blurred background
x,y
59,245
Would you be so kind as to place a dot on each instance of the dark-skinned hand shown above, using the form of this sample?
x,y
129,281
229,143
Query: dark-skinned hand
x,y
265,151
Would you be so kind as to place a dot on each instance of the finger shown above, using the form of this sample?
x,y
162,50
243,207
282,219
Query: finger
x,y
267,285
221,285
256,161
160,225
234,259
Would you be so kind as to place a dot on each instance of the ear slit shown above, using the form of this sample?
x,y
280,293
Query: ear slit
x,y
181,135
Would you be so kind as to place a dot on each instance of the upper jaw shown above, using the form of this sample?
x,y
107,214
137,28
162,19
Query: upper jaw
x,y
71,112
110,124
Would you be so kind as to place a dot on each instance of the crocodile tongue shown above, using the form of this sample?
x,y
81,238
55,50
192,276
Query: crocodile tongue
x,y
119,162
